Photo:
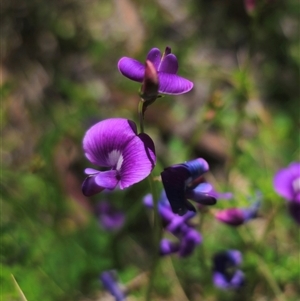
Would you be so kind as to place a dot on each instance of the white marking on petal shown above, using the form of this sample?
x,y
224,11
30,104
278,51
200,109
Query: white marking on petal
x,y
119,163
296,185
115,159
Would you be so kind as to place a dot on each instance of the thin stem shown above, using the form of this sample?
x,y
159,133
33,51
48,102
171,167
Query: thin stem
x,y
157,237
141,115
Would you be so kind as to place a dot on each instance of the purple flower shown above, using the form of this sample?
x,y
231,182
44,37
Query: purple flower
x,y
179,226
115,145
166,66
109,218
225,272
179,183
238,216
250,5
287,184
109,281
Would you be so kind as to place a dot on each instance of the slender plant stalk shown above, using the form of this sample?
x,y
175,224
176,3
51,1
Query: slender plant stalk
x,y
156,239
141,115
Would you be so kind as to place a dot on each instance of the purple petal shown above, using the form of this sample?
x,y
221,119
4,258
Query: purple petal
x,y
178,221
285,181
196,169
154,56
89,186
231,216
200,198
91,171
107,179
104,142
237,280
189,242
220,280
109,281
169,64
138,160
251,212
148,200
132,69
173,84
168,247
235,257
173,179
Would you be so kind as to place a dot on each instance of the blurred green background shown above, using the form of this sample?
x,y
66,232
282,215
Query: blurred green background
x,y
59,76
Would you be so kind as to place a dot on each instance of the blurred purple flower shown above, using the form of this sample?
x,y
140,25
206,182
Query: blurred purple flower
x,y
249,5
114,144
179,226
109,218
287,184
179,183
166,66
225,272
109,281
238,216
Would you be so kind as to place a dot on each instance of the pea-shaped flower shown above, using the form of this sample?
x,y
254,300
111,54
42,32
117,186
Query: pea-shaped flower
x,y
179,183
226,274
166,65
127,157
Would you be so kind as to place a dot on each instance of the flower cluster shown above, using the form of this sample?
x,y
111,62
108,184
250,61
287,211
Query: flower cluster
x,y
179,226
226,275
287,184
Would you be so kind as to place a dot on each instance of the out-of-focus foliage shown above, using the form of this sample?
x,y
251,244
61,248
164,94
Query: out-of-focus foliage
x,y
59,76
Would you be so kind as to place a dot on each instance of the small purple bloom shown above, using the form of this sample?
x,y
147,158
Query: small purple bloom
x,y
178,181
238,216
166,66
287,184
179,226
109,281
225,272
114,144
109,218
250,5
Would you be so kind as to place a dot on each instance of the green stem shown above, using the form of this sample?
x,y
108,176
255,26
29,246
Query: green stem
x,y
156,238
141,115
263,267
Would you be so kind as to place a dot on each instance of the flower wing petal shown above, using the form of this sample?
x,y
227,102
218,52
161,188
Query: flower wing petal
x,y
138,160
169,64
131,69
107,179
104,139
154,56
173,84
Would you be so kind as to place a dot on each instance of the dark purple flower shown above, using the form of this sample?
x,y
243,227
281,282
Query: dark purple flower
x,y
109,218
287,184
115,145
238,216
178,181
225,272
179,226
109,281
166,66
